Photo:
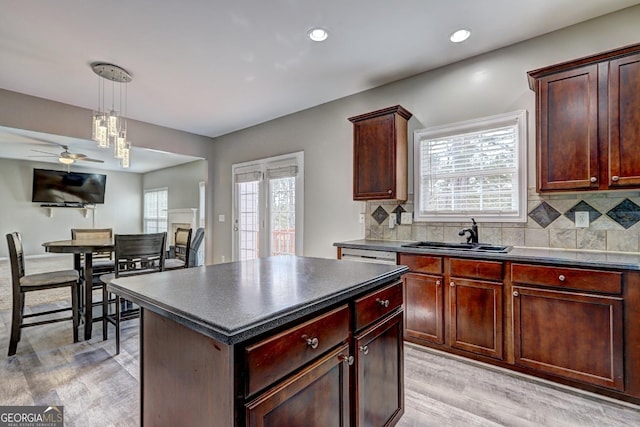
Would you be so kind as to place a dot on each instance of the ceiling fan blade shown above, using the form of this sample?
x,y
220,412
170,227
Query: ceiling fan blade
x,y
89,159
76,156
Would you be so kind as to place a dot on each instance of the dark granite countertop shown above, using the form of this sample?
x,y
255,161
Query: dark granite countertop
x,y
594,259
235,301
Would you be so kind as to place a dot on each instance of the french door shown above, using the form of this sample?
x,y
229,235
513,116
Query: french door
x,y
268,201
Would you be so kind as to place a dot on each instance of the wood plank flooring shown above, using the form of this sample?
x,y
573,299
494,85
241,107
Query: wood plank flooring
x,y
99,389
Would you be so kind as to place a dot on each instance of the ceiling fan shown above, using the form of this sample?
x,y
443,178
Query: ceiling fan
x,y
66,157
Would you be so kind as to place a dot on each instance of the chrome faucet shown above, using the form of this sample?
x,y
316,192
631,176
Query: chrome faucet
x,y
473,232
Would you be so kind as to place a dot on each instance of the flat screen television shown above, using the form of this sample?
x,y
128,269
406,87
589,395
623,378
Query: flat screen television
x,y
67,188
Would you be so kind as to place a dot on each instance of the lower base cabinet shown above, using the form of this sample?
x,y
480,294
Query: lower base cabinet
x,y
325,381
570,334
379,374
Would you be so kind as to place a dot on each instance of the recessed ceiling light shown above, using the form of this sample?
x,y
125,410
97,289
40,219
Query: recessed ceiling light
x,y
318,34
460,35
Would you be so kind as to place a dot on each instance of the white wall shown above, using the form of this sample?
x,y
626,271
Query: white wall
x,y
122,208
182,182
488,84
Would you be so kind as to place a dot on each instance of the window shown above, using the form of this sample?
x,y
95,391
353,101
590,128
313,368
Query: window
x,y
155,210
268,200
475,168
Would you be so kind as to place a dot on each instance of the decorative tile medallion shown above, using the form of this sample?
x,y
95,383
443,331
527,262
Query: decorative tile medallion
x,y
380,215
544,214
583,207
625,213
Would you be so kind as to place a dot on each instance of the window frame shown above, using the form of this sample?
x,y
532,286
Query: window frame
x,y
160,216
517,118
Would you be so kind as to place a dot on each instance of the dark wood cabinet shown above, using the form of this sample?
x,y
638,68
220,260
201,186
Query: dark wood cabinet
x,y
424,308
569,322
569,334
325,383
475,306
423,298
475,316
379,374
588,122
288,374
380,154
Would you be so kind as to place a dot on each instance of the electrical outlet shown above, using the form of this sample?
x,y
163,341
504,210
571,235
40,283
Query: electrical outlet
x,y
221,218
392,221
361,218
582,219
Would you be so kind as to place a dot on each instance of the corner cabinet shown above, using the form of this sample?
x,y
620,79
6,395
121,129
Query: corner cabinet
x,y
588,122
380,154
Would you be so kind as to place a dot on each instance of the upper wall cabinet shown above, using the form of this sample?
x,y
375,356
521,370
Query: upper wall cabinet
x,y
380,154
588,122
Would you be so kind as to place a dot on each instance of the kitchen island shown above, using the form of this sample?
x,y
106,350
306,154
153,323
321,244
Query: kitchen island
x,y
274,341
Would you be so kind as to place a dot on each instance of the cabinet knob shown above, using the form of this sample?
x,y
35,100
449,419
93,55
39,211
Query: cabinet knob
x,y
615,178
452,284
438,283
389,192
594,179
562,278
311,342
383,303
515,293
364,349
347,359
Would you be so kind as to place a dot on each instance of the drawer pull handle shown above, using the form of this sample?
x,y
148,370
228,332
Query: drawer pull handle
x,y
311,342
389,192
384,303
594,179
562,278
347,359
515,293
437,282
364,349
452,284
615,178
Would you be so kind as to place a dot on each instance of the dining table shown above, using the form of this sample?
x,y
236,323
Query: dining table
x,y
79,248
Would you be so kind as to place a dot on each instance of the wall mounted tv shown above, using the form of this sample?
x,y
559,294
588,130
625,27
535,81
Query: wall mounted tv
x,y
60,188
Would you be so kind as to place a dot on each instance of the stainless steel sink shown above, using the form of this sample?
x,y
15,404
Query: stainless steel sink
x,y
476,247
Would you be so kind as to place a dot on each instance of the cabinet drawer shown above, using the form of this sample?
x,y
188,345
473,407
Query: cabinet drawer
x,y
475,269
377,304
272,358
421,263
568,278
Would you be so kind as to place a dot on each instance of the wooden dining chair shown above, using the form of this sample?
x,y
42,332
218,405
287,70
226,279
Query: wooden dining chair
x,y
179,253
23,283
102,260
134,254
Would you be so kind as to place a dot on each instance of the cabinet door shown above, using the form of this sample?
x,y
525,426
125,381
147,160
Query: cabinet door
x,y
423,308
475,322
316,396
624,121
374,157
567,130
379,378
570,334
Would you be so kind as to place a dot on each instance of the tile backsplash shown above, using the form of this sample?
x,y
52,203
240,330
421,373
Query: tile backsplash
x,y
614,223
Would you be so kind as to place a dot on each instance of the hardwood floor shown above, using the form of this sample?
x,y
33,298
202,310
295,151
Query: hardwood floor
x,y
99,389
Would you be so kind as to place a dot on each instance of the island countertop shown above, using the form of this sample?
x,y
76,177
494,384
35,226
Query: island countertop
x,y
235,301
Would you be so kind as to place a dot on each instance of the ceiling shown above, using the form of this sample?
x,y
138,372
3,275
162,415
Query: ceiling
x,y
212,67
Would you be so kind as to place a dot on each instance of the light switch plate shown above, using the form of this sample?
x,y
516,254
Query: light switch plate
x,y
392,221
406,218
582,219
